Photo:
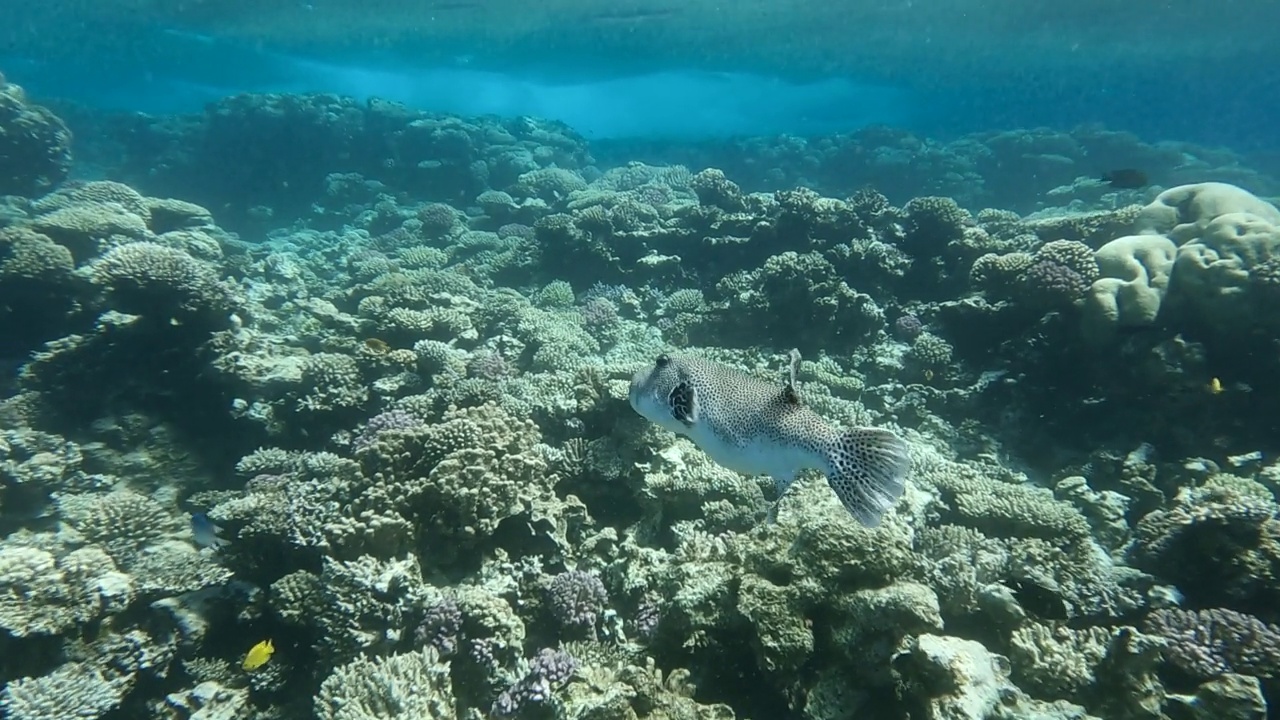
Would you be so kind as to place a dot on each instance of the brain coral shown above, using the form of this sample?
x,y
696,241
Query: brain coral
x,y
1211,275
1134,278
1183,212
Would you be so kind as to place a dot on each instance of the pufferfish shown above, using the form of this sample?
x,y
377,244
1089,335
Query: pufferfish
x,y
761,428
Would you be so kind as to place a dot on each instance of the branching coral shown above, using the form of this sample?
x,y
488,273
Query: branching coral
x,y
395,687
1208,643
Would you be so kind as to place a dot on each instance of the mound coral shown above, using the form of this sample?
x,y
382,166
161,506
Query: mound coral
x,y
35,145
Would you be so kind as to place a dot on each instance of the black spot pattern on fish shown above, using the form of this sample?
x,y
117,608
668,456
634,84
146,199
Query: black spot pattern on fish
x,y
684,403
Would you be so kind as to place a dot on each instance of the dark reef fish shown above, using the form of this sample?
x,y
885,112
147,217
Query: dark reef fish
x,y
1037,600
761,428
1125,179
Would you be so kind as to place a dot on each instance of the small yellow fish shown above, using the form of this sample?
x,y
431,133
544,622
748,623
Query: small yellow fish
x,y
1215,386
377,346
258,655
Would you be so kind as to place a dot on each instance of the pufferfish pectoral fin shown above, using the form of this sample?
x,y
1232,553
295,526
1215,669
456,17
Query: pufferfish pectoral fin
x,y
684,403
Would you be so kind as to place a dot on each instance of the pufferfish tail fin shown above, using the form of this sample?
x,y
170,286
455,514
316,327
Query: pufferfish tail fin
x,y
867,468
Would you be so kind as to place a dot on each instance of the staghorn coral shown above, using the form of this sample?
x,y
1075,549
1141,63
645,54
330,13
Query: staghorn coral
x,y
82,228
97,192
30,258
1058,663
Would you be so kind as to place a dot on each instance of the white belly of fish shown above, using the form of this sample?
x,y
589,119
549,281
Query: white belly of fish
x,y
756,456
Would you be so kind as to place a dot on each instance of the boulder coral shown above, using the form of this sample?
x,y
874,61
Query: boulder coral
x,y
35,145
1204,251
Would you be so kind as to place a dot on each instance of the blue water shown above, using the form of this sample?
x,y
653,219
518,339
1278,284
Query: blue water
x,y
1186,69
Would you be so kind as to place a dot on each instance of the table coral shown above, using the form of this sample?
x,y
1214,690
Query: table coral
x,y
161,282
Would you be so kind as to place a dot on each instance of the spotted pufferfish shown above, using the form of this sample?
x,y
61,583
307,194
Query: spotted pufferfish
x,y
759,428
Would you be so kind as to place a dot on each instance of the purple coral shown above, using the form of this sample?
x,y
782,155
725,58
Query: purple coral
x,y
1051,284
599,313
547,670
516,230
490,365
908,327
440,627
576,599
1208,643
380,423
482,652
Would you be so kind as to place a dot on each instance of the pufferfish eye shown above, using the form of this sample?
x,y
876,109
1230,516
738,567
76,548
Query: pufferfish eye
x,y
663,360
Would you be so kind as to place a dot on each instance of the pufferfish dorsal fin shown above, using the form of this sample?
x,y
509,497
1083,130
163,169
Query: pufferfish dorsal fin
x,y
791,387
684,403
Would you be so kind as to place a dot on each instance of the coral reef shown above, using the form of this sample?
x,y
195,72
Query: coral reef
x,y
402,399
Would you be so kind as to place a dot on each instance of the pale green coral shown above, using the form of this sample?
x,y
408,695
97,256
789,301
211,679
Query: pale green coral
x,y
332,382
408,686
1056,662
122,521
75,691
153,280
41,594
364,604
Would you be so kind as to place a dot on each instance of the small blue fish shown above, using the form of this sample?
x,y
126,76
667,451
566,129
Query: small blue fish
x,y
205,532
